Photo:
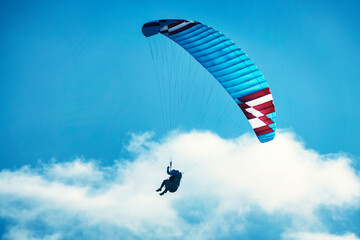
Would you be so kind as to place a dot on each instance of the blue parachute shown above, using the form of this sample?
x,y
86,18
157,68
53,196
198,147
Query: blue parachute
x,y
230,66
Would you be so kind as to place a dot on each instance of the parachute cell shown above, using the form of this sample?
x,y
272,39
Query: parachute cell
x,y
229,65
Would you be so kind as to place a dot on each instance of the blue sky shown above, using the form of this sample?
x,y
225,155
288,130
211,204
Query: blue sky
x,y
80,113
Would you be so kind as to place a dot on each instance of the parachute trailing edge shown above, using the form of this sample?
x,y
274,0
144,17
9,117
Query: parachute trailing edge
x,y
229,65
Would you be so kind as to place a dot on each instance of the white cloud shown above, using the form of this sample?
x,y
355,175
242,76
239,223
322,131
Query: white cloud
x,y
319,236
77,168
23,234
224,181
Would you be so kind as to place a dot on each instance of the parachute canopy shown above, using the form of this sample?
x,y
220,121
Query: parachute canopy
x,y
229,65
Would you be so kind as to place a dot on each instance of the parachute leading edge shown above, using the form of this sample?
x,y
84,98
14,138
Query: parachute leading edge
x,y
230,66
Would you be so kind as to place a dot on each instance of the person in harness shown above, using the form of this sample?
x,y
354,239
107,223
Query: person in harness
x,y
172,184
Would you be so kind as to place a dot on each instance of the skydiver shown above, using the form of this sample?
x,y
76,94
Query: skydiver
x,y
172,184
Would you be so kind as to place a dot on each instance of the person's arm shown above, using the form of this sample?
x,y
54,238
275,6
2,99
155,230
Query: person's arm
x,y
167,170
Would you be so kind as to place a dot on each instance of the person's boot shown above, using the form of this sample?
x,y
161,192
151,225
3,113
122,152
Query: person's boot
x,y
163,192
158,190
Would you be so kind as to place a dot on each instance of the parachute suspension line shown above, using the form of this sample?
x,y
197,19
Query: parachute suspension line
x,y
181,83
193,165
177,71
200,160
167,86
186,77
186,73
183,73
155,59
175,74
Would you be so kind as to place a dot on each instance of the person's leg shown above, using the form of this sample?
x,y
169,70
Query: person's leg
x,y
164,192
162,185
